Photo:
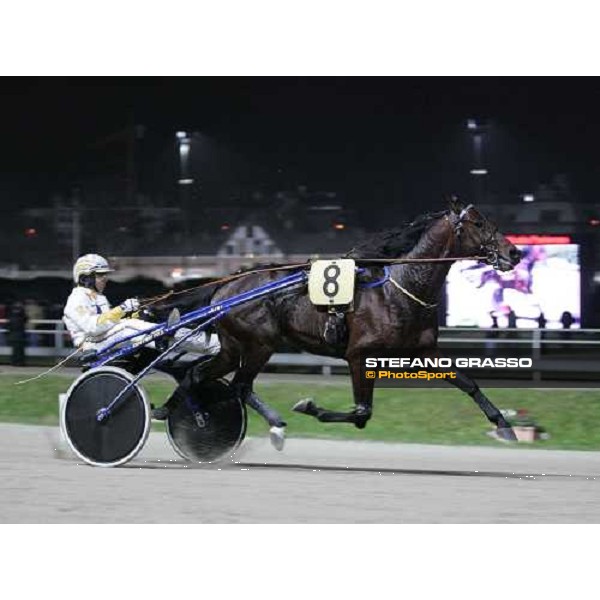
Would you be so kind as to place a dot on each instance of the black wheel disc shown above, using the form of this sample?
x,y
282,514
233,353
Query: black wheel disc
x,y
210,426
118,438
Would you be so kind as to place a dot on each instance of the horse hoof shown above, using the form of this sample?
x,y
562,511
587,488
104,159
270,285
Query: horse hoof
x,y
277,437
503,434
305,406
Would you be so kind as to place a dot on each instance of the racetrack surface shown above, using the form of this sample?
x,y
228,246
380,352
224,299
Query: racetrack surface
x,y
311,481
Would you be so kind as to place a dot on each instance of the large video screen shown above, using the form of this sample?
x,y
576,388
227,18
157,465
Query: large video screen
x,y
542,290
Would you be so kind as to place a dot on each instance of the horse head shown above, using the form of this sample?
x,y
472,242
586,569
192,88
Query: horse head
x,y
477,235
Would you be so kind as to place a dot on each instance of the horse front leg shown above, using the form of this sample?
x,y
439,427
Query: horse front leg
x,y
466,384
363,401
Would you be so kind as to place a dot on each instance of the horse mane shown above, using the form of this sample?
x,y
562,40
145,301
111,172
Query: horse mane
x,y
395,242
389,243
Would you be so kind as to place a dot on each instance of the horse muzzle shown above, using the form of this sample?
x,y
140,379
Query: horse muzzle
x,y
508,261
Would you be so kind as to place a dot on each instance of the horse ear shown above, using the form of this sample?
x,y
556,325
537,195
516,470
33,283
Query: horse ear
x,y
455,204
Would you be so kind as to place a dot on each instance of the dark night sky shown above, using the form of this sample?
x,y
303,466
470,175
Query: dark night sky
x,y
392,137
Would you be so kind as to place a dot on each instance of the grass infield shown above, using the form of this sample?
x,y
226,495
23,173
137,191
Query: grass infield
x,y
436,416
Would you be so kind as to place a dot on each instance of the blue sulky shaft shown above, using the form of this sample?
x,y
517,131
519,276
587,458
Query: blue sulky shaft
x,y
210,314
162,329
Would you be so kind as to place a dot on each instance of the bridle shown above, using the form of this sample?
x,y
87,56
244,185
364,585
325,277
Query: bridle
x,y
489,246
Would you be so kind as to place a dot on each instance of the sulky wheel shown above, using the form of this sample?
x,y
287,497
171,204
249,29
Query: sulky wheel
x,y
117,438
210,426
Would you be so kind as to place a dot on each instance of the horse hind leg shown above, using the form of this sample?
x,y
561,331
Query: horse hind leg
x,y
276,424
243,382
363,400
270,415
188,379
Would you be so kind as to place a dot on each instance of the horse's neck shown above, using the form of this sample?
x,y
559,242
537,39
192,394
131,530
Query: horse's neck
x,y
427,278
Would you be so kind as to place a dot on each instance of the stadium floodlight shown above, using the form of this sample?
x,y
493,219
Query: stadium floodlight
x,y
185,181
181,135
471,124
479,172
184,148
528,198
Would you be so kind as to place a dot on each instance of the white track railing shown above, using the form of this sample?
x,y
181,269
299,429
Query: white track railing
x,y
49,338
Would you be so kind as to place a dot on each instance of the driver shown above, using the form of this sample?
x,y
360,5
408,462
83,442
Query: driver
x,y
93,324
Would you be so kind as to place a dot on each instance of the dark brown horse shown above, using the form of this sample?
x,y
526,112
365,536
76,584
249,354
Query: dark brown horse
x,y
398,315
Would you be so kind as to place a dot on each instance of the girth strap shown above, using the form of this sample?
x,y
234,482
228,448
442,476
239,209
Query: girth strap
x,y
378,282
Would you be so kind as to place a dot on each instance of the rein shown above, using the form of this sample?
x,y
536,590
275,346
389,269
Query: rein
x,y
391,261
369,261
154,299
462,218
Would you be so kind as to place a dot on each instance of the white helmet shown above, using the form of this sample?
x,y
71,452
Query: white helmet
x,y
89,264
